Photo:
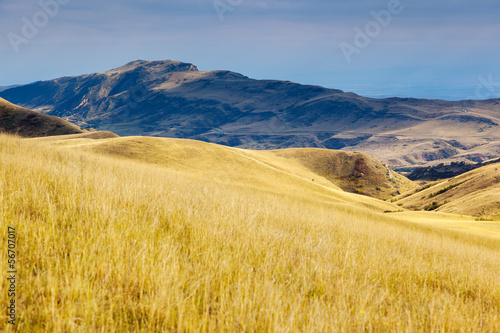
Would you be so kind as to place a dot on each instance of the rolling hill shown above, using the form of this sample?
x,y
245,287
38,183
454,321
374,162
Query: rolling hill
x,y
155,235
318,169
476,192
26,123
175,99
353,172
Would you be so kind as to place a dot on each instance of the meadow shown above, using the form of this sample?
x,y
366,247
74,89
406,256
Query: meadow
x,y
109,244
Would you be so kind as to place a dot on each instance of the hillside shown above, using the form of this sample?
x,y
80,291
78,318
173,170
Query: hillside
x,y
27,123
175,99
94,135
444,171
308,169
476,192
352,172
129,246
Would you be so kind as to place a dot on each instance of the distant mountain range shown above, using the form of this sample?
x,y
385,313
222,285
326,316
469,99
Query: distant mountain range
x,y
174,99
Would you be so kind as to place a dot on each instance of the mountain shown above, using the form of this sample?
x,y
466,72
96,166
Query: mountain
x,y
175,99
7,87
476,192
26,123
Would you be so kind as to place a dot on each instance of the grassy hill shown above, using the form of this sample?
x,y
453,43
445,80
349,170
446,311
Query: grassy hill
x,y
26,123
95,135
351,172
476,192
114,237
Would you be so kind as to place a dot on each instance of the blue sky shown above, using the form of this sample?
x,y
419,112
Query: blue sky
x,y
421,48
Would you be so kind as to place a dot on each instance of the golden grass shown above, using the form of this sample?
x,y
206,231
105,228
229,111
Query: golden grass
x,y
109,245
226,165
462,223
197,156
476,192
352,171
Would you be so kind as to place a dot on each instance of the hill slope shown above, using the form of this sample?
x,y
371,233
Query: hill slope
x,y
351,171
112,244
174,99
476,192
444,171
295,170
17,120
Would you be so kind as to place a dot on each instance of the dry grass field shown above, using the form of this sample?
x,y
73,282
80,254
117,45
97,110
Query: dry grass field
x,y
476,192
352,172
114,238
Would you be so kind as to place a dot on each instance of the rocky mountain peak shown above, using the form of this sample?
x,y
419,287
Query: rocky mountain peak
x,y
159,66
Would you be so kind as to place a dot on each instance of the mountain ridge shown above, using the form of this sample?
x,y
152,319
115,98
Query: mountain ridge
x,y
175,99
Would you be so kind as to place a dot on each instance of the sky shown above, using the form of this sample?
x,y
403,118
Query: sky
x,y
445,49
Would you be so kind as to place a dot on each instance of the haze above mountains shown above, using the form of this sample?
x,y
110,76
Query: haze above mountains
x,y
174,99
